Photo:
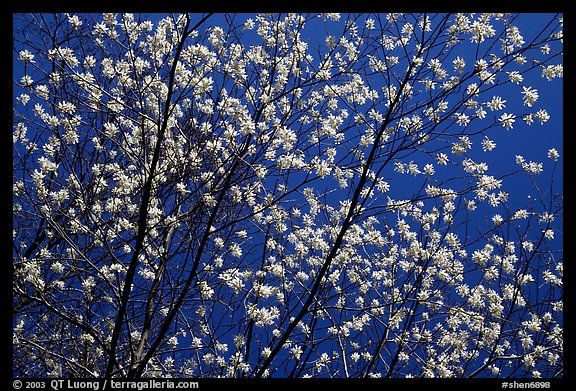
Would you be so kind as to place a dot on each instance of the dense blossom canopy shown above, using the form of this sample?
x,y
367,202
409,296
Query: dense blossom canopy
x,y
286,195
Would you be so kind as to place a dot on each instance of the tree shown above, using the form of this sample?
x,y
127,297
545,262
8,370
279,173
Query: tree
x,y
286,195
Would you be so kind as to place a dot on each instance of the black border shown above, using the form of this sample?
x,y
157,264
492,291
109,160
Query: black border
x,y
293,6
